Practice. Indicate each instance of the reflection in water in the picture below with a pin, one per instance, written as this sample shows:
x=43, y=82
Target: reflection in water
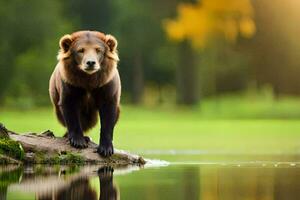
x=81, y=189
x=77, y=190
x=250, y=183
x=8, y=175
x=107, y=189
x=59, y=184
x=213, y=182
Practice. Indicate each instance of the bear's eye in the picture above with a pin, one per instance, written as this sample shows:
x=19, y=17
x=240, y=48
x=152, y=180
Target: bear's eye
x=98, y=50
x=80, y=50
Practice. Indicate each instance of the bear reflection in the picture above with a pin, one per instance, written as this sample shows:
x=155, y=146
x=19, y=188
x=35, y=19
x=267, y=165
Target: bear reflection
x=80, y=189
x=107, y=189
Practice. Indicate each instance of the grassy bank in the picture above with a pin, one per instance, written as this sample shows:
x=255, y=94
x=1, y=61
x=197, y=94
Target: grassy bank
x=143, y=128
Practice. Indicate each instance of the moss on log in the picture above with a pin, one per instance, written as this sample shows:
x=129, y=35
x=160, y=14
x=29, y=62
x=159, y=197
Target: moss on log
x=45, y=148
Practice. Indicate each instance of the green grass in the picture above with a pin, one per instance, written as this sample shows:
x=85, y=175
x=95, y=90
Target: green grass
x=142, y=128
x=251, y=107
x=145, y=129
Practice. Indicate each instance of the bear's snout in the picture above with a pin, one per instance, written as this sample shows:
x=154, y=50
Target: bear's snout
x=90, y=64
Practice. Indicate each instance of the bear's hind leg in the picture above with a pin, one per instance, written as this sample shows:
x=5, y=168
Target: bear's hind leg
x=88, y=119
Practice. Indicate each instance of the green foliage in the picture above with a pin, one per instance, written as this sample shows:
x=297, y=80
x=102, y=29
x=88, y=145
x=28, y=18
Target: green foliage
x=11, y=148
x=146, y=55
x=71, y=158
x=63, y=159
x=31, y=30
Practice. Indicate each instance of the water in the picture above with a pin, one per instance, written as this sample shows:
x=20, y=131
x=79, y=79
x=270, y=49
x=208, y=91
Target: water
x=188, y=176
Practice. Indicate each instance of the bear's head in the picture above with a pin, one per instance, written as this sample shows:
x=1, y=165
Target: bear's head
x=89, y=51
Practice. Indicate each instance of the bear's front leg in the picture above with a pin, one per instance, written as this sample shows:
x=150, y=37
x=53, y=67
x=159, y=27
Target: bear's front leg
x=75, y=133
x=70, y=108
x=108, y=115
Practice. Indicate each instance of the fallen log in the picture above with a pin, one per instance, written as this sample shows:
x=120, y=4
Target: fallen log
x=45, y=148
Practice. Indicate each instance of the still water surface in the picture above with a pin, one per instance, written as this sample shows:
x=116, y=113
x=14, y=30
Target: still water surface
x=184, y=177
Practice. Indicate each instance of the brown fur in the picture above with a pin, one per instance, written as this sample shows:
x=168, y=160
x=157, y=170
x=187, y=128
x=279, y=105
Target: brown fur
x=93, y=90
x=76, y=77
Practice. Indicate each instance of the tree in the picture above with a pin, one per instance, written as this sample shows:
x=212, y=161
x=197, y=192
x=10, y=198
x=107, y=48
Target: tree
x=30, y=32
x=276, y=47
x=142, y=45
x=202, y=23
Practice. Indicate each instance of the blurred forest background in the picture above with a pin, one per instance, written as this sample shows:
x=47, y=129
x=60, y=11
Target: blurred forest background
x=172, y=51
x=196, y=74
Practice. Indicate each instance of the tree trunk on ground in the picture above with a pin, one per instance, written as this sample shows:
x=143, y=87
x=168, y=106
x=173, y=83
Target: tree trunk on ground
x=188, y=90
x=45, y=148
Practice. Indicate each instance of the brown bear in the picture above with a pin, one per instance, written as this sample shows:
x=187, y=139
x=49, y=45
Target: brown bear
x=86, y=82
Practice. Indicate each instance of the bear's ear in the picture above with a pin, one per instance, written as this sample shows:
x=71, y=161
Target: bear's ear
x=111, y=42
x=65, y=42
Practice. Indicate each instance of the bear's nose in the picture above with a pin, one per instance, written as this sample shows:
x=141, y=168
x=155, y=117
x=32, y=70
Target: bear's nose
x=90, y=63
